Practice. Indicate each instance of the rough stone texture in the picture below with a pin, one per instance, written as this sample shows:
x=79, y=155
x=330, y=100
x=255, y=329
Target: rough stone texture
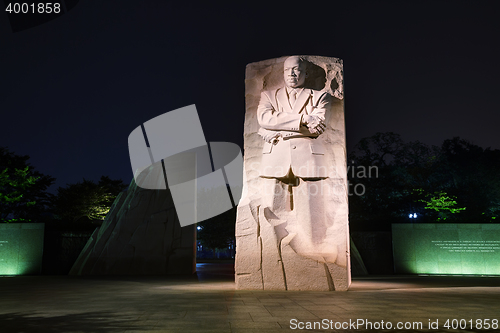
x=265, y=255
x=141, y=235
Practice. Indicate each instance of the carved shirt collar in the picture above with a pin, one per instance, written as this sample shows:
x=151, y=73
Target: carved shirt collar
x=297, y=90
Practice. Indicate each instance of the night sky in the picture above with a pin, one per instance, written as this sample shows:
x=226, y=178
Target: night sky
x=74, y=88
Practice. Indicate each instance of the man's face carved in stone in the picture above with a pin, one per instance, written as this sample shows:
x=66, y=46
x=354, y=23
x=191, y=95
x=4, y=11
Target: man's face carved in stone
x=295, y=72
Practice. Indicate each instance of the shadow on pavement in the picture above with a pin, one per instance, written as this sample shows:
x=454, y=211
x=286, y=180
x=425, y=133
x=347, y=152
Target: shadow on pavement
x=96, y=322
x=215, y=272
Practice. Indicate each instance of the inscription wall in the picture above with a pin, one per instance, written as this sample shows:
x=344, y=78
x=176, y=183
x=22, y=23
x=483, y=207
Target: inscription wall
x=21, y=248
x=442, y=248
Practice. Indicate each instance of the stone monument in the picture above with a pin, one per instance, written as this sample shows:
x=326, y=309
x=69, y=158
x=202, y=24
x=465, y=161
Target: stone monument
x=292, y=223
x=141, y=235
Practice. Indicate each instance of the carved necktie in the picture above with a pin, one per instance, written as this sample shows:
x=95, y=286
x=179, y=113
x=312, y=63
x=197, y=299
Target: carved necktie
x=293, y=97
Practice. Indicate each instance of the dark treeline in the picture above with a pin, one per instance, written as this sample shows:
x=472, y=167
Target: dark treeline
x=24, y=196
x=458, y=182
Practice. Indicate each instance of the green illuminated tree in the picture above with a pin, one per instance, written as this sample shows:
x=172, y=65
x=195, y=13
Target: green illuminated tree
x=11, y=191
x=23, y=191
x=442, y=203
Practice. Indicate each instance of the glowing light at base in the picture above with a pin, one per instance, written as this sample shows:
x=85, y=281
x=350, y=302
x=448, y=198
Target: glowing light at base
x=21, y=248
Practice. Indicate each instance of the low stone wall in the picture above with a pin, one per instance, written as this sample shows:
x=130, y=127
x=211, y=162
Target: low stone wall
x=61, y=249
x=21, y=246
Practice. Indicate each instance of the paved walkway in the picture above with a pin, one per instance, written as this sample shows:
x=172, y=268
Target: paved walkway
x=210, y=303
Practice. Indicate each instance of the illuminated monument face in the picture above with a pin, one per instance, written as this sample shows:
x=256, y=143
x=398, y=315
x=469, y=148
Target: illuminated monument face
x=292, y=229
x=446, y=248
x=294, y=72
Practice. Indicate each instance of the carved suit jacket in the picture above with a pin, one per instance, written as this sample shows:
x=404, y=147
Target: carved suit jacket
x=297, y=148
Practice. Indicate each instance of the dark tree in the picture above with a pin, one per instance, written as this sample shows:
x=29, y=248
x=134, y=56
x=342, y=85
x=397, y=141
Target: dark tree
x=471, y=174
x=86, y=201
x=435, y=183
x=388, y=193
x=218, y=232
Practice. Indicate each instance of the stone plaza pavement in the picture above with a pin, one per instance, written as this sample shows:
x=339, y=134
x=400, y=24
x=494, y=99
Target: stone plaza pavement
x=208, y=302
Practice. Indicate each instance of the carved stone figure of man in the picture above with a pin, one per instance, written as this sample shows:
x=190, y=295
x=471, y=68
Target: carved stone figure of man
x=293, y=164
